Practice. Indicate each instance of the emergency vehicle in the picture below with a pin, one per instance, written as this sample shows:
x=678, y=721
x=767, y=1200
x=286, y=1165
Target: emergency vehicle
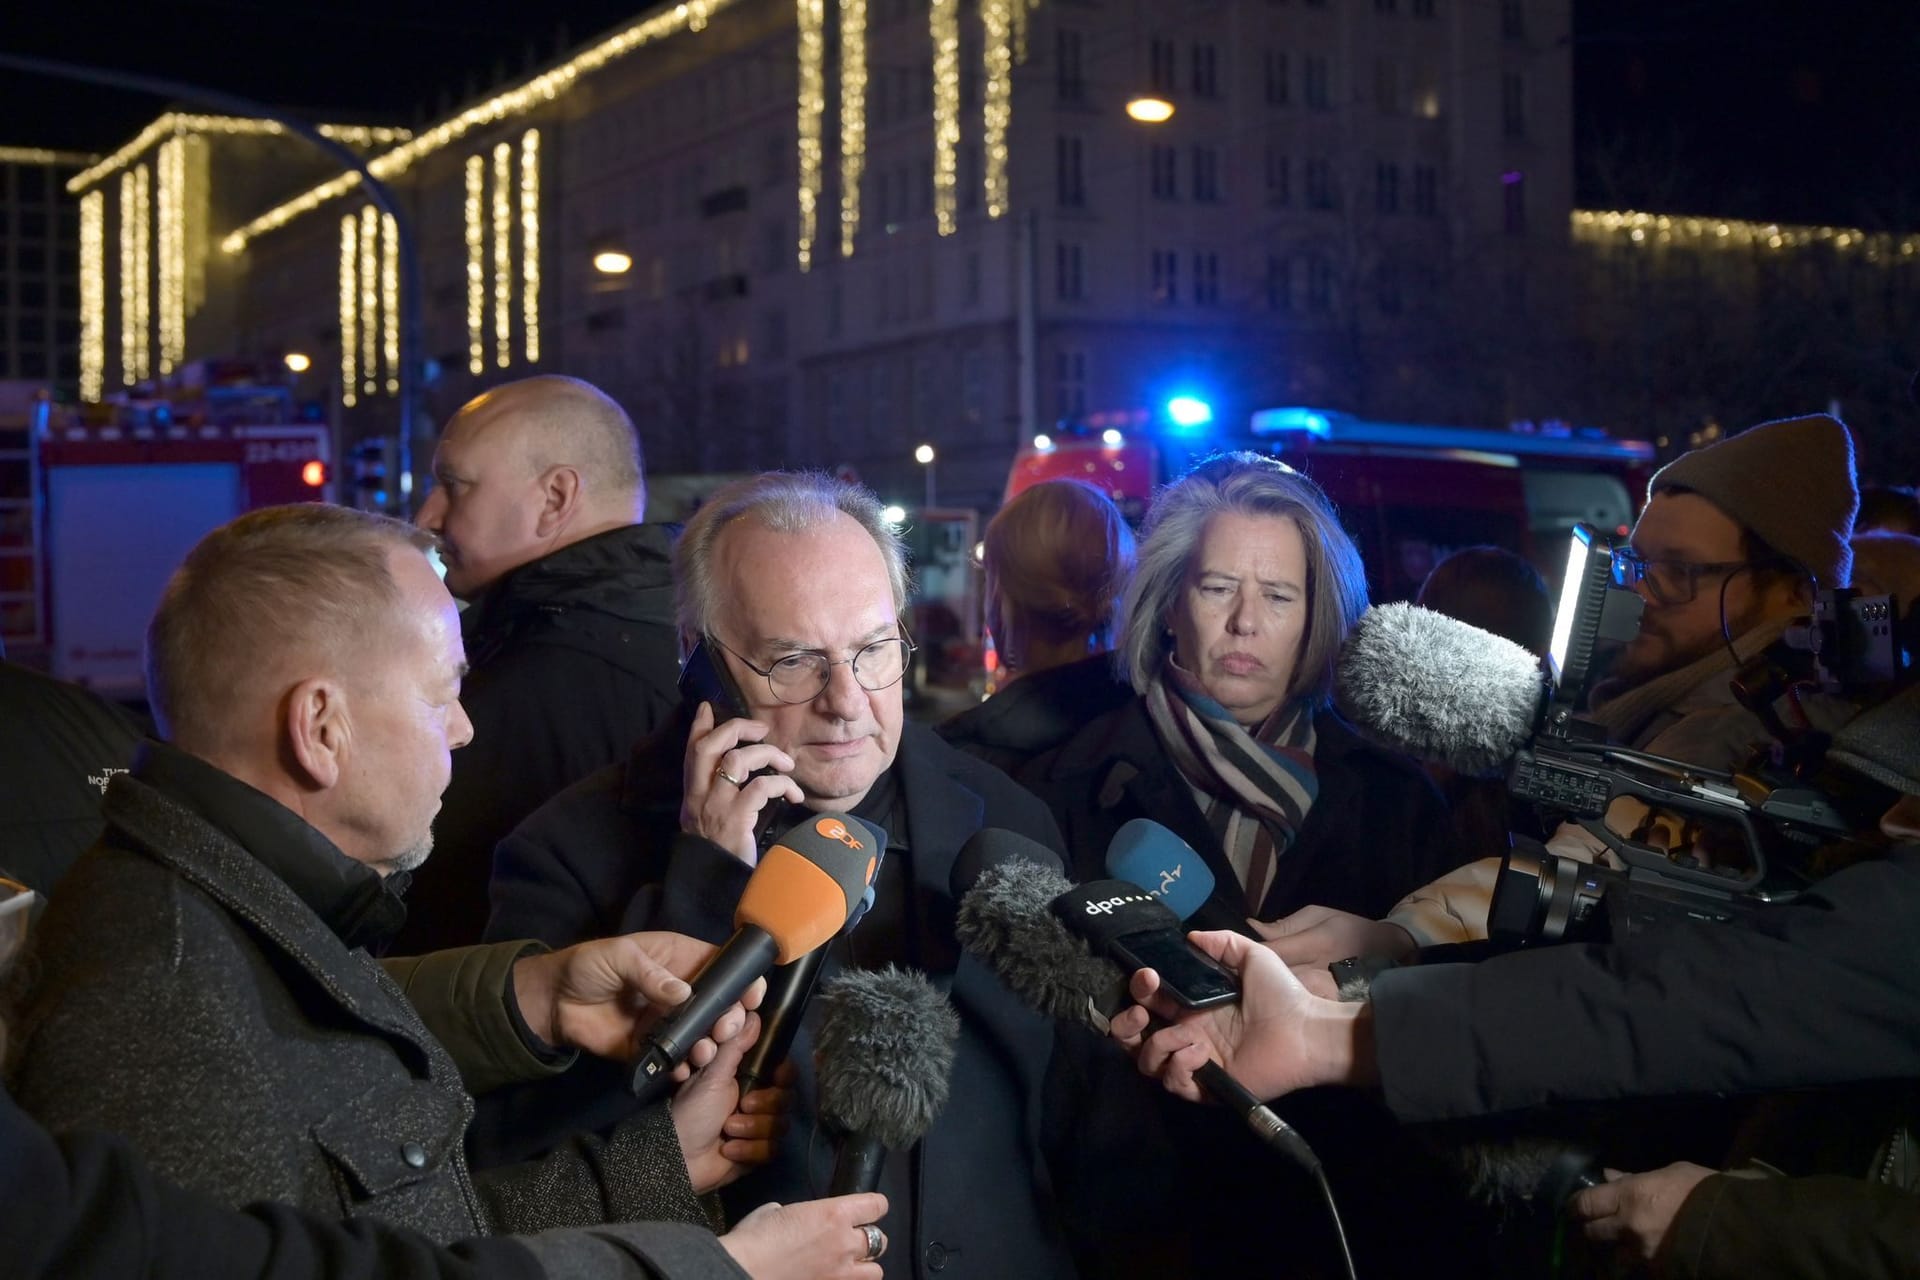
x=1409, y=494
x=99, y=503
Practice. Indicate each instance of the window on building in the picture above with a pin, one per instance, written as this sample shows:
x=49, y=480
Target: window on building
x=1163, y=173
x=1070, y=171
x=1206, y=278
x=1314, y=70
x=774, y=247
x=1513, y=106
x=1513, y=19
x=773, y=160
x=1320, y=194
x=1070, y=383
x=970, y=177
x=33, y=224
x=834, y=321
x=1279, y=172
x=1319, y=283
x=1069, y=80
x=1386, y=188
x=1514, y=203
x=1386, y=87
x=971, y=282
x=1426, y=190
x=1278, y=88
x=1206, y=71
x=1206, y=174
x=773, y=334
x=880, y=399
x=1166, y=276
x=973, y=386
x=1160, y=58
x=1386, y=289
x=1069, y=283
x=1279, y=283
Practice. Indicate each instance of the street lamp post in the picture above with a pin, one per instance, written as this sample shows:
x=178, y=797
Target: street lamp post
x=924, y=456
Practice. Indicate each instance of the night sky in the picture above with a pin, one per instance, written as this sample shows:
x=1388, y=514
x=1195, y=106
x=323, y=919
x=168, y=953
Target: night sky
x=1800, y=111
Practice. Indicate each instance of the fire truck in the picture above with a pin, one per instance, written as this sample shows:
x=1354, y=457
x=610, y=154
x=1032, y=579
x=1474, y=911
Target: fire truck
x=100, y=502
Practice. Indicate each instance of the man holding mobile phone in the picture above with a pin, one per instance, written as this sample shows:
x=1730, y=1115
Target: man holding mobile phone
x=791, y=588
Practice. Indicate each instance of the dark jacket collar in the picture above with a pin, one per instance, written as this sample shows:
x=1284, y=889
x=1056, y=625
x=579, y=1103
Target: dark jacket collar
x=354, y=901
x=625, y=573
x=1044, y=709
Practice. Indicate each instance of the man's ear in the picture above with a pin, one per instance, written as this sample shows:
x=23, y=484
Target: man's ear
x=560, y=499
x=319, y=732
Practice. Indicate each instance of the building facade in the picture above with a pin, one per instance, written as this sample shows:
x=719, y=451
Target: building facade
x=39, y=266
x=851, y=227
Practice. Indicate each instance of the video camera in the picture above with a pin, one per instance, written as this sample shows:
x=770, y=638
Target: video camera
x=1772, y=818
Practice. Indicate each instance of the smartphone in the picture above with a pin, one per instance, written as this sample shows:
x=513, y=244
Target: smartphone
x=1192, y=979
x=704, y=678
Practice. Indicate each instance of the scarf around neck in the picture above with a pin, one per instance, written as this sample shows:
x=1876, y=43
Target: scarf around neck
x=1629, y=711
x=1255, y=788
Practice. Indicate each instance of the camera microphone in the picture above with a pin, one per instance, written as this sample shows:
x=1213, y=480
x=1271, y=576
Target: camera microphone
x=1437, y=689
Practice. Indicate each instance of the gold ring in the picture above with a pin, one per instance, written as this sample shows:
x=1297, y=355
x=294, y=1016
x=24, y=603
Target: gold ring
x=876, y=1242
x=722, y=773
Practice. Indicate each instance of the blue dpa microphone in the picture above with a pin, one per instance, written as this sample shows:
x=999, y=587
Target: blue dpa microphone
x=1147, y=854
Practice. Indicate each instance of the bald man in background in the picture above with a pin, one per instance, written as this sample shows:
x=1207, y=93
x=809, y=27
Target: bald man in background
x=538, y=502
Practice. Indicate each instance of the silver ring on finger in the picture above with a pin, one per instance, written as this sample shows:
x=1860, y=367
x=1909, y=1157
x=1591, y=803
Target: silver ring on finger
x=876, y=1242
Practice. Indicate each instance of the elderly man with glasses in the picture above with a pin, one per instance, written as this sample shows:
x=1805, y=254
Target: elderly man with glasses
x=790, y=590
x=1733, y=543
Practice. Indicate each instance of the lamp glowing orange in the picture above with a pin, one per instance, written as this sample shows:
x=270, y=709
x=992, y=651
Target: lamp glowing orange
x=314, y=474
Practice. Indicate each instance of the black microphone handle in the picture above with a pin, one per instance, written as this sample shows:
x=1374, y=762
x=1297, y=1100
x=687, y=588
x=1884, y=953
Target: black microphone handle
x=747, y=955
x=857, y=1164
x=789, y=987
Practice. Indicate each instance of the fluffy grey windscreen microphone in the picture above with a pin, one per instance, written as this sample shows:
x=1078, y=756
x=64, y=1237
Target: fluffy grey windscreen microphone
x=884, y=1052
x=1438, y=689
x=1007, y=920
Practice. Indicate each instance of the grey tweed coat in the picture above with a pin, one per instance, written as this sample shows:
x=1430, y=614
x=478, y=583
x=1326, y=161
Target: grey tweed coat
x=181, y=994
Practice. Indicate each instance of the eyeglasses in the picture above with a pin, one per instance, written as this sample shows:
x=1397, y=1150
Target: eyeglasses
x=802, y=677
x=1670, y=582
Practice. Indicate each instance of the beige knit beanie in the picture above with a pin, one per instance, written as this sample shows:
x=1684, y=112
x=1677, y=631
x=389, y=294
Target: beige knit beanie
x=1791, y=482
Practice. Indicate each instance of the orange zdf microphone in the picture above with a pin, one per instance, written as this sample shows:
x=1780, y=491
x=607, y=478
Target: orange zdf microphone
x=800, y=894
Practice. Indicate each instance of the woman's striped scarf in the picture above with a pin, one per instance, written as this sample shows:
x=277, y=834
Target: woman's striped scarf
x=1254, y=787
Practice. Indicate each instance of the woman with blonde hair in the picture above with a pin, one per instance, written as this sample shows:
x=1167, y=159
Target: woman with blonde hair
x=1057, y=560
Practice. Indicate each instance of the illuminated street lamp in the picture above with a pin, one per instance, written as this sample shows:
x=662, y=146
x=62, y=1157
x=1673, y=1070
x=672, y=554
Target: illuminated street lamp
x=1150, y=110
x=298, y=361
x=612, y=262
x=924, y=456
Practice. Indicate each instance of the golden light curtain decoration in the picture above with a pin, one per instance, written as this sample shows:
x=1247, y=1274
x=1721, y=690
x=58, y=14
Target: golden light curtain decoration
x=502, y=256
x=476, y=266
x=143, y=272
x=811, y=17
x=530, y=243
x=996, y=112
x=944, y=23
x=93, y=295
x=172, y=175
x=1599, y=226
x=349, y=308
x=853, y=117
x=390, y=300
x=369, y=299
x=129, y=314
x=175, y=123
x=690, y=16
x=194, y=212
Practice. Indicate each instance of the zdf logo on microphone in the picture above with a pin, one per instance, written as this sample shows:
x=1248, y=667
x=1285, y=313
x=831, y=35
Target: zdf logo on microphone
x=834, y=829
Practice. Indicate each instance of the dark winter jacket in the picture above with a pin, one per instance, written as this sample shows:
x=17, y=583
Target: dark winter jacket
x=1771, y=1228
x=1153, y=1186
x=1818, y=991
x=1037, y=712
x=607, y=856
x=572, y=660
x=203, y=990
x=59, y=743
x=85, y=1207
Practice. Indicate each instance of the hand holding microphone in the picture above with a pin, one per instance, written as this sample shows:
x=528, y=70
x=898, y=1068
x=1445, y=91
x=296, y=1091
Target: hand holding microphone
x=800, y=894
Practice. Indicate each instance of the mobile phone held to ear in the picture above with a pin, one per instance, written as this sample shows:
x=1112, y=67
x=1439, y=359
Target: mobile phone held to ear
x=704, y=678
